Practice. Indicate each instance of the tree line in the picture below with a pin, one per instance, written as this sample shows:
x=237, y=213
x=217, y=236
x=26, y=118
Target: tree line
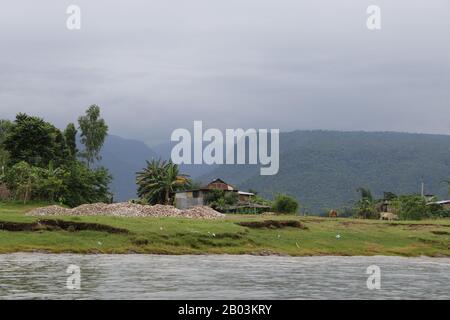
x=406, y=207
x=40, y=162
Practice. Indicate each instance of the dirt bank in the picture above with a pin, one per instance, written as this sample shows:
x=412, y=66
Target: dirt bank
x=273, y=224
x=57, y=225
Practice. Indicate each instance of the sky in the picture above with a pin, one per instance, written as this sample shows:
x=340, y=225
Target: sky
x=155, y=66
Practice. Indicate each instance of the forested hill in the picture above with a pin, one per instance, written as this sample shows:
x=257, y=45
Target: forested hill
x=323, y=169
x=123, y=158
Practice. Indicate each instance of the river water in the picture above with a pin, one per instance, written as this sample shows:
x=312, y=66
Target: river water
x=45, y=276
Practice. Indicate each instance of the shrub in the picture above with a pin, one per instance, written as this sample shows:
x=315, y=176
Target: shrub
x=415, y=207
x=285, y=204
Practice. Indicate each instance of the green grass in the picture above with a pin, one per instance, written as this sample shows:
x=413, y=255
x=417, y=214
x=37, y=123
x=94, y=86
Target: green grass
x=189, y=236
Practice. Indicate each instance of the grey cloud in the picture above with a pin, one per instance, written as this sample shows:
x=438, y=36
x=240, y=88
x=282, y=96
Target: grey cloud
x=154, y=66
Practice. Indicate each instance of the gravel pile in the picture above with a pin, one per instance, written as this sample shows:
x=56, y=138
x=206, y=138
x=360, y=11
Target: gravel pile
x=49, y=211
x=126, y=209
x=202, y=212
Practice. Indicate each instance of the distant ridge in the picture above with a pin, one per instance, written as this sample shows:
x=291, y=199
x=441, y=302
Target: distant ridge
x=321, y=168
x=123, y=158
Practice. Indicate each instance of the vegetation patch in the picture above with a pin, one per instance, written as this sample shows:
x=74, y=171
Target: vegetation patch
x=273, y=224
x=58, y=225
x=230, y=235
x=416, y=226
x=351, y=223
x=441, y=233
x=140, y=241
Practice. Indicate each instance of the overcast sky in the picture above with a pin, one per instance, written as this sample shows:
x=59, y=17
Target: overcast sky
x=154, y=66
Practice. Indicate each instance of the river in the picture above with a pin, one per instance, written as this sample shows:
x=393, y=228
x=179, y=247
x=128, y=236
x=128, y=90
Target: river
x=45, y=276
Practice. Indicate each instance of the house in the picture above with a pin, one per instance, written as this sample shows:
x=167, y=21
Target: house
x=196, y=197
x=444, y=203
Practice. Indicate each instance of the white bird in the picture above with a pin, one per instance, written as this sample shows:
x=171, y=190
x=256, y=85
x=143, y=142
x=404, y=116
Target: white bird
x=338, y=236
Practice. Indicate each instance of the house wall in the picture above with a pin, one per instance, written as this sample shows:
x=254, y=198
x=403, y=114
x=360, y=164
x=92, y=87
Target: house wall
x=244, y=198
x=189, y=199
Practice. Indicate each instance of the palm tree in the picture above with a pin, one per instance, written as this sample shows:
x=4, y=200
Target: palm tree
x=366, y=205
x=159, y=180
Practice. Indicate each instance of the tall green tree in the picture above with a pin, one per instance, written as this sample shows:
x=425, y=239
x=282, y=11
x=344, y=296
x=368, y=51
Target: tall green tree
x=84, y=185
x=35, y=141
x=366, y=206
x=22, y=180
x=159, y=180
x=70, y=136
x=5, y=126
x=93, y=133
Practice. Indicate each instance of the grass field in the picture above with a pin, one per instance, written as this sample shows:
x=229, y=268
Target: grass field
x=188, y=236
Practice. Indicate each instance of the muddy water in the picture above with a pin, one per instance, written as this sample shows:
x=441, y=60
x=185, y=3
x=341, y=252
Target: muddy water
x=41, y=276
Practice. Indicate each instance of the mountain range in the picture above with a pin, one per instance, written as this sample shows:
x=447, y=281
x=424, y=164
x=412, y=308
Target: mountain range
x=322, y=169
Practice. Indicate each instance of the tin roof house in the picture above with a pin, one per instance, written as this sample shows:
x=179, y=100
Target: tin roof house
x=197, y=197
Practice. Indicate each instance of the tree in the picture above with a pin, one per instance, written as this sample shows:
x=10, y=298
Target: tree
x=83, y=185
x=43, y=164
x=34, y=141
x=93, y=133
x=220, y=199
x=413, y=207
x=159, y=180
x=366, y=206
x=22, y=179
x=51, y=184
x=365, y=194
x=387, y=195
x=285, y=204
x=70, y=136
x=5, y=127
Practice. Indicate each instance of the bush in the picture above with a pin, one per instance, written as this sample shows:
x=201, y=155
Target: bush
x=72, y=185
x=285, y=204
x=415, y=207
x=220, y=200
x=85, y=185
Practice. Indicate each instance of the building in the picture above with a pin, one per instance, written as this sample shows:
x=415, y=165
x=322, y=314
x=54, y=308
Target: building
x=444, y=203
x=196, y=197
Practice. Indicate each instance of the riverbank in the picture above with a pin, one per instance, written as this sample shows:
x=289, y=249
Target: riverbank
x=235, y=234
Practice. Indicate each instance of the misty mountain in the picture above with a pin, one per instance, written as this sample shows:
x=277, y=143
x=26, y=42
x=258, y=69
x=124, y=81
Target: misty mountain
x=123, y=158
x=193, y=170
x=322, y=169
